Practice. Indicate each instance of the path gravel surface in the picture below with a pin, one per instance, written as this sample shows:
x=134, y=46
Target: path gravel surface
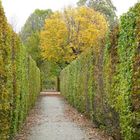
x=53, y=119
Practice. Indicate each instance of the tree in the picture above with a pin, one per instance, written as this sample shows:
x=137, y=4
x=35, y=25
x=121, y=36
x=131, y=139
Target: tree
x=106, y=7
x=30, y=35
x=32, y=45
x=34, y=23
x=67, y=34
x=30, y=32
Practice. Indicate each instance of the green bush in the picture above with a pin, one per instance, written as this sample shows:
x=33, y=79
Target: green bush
x=19, y=81
x=129, y=67
x=105, y=85
x=5, y=77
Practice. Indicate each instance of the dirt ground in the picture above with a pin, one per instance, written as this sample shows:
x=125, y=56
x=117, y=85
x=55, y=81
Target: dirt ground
x=53, y=118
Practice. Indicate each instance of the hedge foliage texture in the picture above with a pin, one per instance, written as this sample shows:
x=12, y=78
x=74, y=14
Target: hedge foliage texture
x=105, y=85
x=19, y=81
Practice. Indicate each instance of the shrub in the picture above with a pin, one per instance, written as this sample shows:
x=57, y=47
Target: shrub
x=105, y=85
x=19, y=81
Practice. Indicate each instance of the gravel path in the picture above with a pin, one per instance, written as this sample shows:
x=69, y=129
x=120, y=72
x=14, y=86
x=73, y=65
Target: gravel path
x=53, y=119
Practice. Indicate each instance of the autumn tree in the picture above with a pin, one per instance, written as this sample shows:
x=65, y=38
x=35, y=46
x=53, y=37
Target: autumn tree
x=106, y=7
x=69, y=33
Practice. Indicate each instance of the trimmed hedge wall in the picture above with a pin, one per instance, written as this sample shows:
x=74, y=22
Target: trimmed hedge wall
x=19, y=81
x=105, y=85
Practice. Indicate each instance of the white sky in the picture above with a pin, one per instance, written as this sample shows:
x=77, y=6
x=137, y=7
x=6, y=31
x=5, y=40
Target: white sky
x=17, y=11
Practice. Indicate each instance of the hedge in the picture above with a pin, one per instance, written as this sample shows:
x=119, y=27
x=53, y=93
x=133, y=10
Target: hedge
x=19, y=81
x=105, y=85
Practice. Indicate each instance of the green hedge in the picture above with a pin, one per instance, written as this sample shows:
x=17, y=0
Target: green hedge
x=105, y=85
x=19, y=81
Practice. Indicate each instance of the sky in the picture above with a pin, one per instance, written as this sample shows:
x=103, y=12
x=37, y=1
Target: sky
x=17, y=11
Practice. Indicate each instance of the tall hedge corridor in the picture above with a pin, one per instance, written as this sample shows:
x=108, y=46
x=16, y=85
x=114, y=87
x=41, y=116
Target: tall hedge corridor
x=105, y=84
x=19, y=81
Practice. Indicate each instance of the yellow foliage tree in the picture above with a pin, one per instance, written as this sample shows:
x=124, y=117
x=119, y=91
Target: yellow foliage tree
x=66, y=34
